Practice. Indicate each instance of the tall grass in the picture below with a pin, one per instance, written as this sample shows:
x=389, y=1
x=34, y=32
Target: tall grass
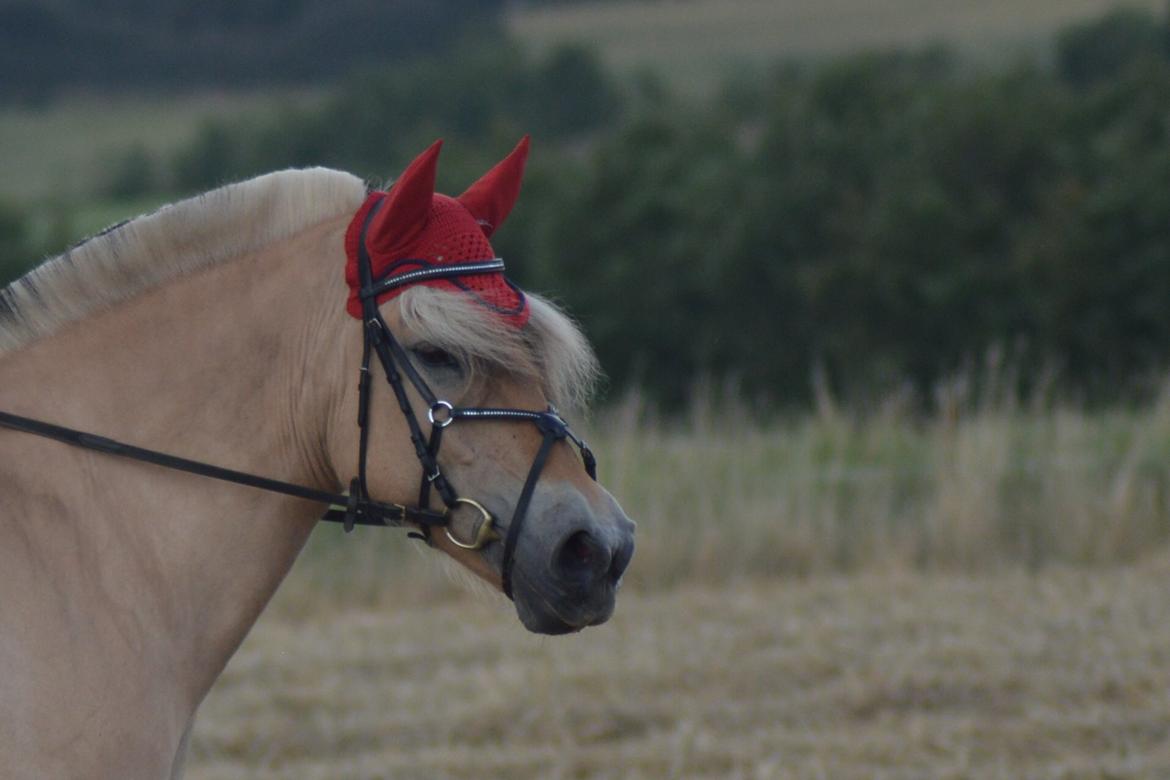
x=984, y=488
x=726, y=494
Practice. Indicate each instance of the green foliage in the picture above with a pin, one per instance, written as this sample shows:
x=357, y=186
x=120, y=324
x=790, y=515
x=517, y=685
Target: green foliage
x=875, y=221
x=1097, y=257
x=132, y=175
x=13, y=244
x=635, y=243
x=1103, y=48
x=379, y=119
x=45, y=47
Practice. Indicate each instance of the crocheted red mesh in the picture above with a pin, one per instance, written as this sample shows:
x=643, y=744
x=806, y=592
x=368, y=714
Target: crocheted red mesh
x=449, y=234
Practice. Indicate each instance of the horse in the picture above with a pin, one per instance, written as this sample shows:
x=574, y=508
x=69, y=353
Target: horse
x=222, y=337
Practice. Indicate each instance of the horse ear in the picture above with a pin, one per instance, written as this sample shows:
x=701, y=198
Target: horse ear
x=398, y=223
x=491, y=198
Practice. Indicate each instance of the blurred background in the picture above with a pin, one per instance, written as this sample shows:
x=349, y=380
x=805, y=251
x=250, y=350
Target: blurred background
x=881, y=290
x=729, y=195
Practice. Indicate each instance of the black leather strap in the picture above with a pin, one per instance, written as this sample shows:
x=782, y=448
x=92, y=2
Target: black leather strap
x=471, y=268
x=365, y=511
x=554, y=430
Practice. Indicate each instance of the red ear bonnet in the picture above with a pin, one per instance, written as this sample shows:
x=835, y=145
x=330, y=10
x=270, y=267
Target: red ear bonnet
x=412, y=228
x=399, y=222
x=491, y=199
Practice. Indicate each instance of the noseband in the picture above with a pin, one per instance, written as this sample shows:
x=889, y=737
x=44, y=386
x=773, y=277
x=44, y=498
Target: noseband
x=360, y=509
x=379, y=340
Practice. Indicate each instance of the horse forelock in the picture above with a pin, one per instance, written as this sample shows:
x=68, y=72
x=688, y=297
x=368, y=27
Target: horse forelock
x=549, y=348
x=130, y=258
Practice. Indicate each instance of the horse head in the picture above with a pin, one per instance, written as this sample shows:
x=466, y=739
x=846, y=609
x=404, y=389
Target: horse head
x=466, y=426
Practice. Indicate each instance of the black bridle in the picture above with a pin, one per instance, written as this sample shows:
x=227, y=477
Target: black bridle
x=359, y=507
x=380, y=341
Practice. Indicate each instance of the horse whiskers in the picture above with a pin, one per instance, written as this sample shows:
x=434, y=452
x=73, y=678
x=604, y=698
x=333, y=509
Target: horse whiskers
x=464, y=579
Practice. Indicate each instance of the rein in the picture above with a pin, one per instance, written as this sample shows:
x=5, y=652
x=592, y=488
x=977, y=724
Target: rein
x=359, y=508
x=366, y=512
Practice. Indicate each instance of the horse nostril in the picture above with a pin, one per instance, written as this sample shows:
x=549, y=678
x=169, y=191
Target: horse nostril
x=621, y=559
x=580, y=556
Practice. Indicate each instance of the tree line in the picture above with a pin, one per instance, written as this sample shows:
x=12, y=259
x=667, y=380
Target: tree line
x=178, y=45
x=878, y=221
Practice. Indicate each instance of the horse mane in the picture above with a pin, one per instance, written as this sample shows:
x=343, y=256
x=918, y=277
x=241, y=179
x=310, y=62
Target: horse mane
x=132, y=257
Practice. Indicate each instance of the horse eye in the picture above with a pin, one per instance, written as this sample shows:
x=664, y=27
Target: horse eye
x=433, y=357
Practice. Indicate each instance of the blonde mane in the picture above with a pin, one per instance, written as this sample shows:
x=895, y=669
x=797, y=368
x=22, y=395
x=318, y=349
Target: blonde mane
x=184, y=237
x=178, y=239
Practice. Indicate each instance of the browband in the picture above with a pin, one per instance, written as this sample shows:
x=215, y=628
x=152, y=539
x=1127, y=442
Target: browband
x=495, y=265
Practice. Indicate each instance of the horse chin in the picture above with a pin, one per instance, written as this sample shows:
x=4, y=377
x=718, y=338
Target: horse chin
x=551, y=610
x=547, y=624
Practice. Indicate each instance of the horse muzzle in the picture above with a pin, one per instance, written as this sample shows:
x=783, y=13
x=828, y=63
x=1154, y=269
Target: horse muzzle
x=569, y=563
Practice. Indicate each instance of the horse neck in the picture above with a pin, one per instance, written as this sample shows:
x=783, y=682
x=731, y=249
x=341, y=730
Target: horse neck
x=237, y=365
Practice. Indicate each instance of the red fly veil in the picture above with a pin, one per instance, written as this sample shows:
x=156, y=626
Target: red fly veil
x=417, y=228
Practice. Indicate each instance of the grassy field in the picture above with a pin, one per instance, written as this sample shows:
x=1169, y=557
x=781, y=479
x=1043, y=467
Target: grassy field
x=695, y=43
x=1062, y=675
x=981, y=595
x=60, y=157
x=67, y=148
x=719, y=498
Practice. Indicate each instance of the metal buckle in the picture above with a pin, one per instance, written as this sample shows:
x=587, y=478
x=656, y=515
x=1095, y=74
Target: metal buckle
x=486, y=533
x=446, y=418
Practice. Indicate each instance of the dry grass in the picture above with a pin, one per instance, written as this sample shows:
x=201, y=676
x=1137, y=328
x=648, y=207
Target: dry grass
x=982, y=595
x=718, y=497
x=968, y=491
x=1064, y=675
x=696, y=42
